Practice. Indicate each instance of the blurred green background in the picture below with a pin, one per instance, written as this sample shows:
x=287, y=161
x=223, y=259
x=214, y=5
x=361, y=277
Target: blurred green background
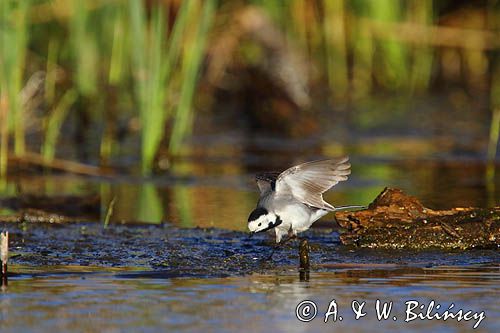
x=107, y=87
x=154, y=64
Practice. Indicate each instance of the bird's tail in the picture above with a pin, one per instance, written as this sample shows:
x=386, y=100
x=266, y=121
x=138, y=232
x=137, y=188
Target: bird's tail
x=349, y=207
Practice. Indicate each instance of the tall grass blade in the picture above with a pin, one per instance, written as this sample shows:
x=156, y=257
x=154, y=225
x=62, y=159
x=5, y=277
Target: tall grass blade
x=363, y=46
x=335, y=45
x=149, y=61
x=191, y=63
x=492, y=150
x=51, y=73
x=109, y=212
x=55, y=122
x=84, y=48
x=13, y=46
x=117, y=61
x=175, y=42
x=392, y=55
x=421, y=13
x=4, y=134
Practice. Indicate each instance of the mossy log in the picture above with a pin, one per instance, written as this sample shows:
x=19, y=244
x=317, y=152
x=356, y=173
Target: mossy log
x=396, y=220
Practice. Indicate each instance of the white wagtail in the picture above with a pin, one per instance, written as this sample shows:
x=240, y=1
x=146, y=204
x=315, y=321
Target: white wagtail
x=291, y=201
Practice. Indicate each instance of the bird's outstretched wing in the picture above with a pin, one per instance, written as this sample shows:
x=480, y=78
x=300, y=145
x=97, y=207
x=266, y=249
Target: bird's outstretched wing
x=266, y=181
x=308, y=181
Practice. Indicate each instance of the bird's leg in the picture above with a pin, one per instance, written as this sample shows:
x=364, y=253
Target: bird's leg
x=291, y=236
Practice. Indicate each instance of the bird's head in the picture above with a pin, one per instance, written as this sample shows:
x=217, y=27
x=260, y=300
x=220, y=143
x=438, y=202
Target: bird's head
x=261, y=220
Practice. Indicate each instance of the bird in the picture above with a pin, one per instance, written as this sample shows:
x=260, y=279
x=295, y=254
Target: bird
x=291, y=201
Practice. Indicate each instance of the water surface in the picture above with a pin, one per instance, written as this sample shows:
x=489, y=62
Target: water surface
x=124, y=301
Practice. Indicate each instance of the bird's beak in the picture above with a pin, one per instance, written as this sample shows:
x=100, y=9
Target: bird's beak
x=270, y=226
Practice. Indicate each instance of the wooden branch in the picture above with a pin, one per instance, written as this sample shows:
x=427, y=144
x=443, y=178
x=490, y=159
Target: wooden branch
x=396, y=220
x=59, y=164
x=435, y=35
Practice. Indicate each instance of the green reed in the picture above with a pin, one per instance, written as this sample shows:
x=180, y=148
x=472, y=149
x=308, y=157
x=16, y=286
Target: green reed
x=335, y=36
x=491, y=154
x=393, y=55
x=338, y=36
x=134, y=47
x=154, y=57
x=421, y=12
x=109, y=212
x=150, y=84
x=54, y=124
x=119, y=46
x=83, y=43
x=191, y=61
x=13, y=47
x=362, y=48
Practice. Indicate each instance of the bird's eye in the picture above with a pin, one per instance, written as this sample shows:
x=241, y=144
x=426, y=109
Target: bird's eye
x=260, y=223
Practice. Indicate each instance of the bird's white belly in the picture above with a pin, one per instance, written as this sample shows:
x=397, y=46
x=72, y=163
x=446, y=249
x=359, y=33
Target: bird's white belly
x=299, y=217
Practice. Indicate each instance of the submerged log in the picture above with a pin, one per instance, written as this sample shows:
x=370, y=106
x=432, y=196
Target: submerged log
x=396, y=220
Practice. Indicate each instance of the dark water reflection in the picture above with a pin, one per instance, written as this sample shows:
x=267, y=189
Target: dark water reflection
x=116, y=302
x=220, y=192
x=433, y=147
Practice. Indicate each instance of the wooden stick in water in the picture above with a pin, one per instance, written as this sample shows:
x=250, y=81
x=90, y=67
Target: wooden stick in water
x=304, y=260
x=4, y=251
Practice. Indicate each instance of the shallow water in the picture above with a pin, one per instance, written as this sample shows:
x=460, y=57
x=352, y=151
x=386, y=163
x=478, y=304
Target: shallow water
x=84, y=277
x=66, y=299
